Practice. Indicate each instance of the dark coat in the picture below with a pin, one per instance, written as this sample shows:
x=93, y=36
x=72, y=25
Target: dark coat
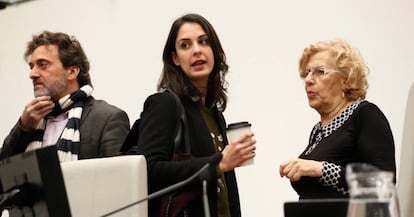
x=157, y=131
x=103, y=128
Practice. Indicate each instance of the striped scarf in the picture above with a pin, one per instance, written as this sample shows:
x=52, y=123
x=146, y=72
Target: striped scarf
x=68, y=143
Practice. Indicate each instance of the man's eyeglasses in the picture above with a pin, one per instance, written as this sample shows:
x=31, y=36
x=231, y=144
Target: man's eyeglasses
x=319, y=71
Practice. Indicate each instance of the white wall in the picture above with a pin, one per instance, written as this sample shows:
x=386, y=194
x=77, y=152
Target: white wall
x=263, y=41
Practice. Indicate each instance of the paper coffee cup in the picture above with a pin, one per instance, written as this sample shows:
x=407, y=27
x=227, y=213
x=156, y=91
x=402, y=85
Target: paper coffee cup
x=235, y=130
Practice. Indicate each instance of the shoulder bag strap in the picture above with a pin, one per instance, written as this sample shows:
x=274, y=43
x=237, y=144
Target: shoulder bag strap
x=182, y=127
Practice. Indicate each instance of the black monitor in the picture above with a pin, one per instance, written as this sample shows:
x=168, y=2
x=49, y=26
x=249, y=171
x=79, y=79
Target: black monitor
x=316, y=207
x=32, y=185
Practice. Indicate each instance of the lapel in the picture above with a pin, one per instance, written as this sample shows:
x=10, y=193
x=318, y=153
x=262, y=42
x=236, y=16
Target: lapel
x=87, y=108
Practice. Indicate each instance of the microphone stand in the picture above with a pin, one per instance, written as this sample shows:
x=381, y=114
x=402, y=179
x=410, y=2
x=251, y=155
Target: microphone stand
x=205, y=200
x=165, y=191
x=4, y=198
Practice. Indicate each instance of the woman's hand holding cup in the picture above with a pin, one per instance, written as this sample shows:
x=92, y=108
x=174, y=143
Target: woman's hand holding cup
x=241, y=150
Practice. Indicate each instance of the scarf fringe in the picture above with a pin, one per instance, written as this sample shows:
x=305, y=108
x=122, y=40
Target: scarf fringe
x=66, y=156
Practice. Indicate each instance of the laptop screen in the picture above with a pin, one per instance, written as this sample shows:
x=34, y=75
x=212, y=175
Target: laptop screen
x=316, y=208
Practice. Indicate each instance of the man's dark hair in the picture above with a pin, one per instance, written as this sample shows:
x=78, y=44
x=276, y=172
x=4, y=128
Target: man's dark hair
x=70, y=52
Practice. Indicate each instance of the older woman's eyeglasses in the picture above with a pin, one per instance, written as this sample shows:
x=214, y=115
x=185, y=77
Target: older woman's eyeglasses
x=319, y=71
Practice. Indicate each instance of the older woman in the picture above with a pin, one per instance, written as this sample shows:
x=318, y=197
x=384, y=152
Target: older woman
x=350, y=129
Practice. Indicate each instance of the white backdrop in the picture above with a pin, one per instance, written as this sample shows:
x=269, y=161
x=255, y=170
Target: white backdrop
x=263, y=41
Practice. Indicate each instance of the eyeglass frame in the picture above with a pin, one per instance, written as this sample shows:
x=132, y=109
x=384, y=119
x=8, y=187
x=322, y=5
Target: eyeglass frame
x=322, y=71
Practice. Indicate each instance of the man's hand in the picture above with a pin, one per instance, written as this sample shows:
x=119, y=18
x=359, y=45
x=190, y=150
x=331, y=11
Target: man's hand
x=34, y=111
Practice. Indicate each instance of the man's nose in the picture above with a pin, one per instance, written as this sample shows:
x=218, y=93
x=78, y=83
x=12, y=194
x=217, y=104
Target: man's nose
x=34, y=73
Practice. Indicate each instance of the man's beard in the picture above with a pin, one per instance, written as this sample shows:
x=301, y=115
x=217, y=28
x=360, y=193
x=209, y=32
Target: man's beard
x=42, y=92
x=53, y=90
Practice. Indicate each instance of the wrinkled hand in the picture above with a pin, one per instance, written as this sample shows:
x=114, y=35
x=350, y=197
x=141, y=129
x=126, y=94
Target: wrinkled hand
x=294, y=169
x=34, y=111
x=237, y=152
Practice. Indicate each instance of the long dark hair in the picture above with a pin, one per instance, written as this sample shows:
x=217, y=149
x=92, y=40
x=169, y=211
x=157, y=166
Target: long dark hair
x=174, y=78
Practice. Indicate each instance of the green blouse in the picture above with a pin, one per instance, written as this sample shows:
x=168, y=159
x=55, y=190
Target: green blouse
x=222, y=200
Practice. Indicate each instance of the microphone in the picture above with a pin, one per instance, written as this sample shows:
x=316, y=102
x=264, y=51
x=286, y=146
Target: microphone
x=203, y=176
x=5, y=3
